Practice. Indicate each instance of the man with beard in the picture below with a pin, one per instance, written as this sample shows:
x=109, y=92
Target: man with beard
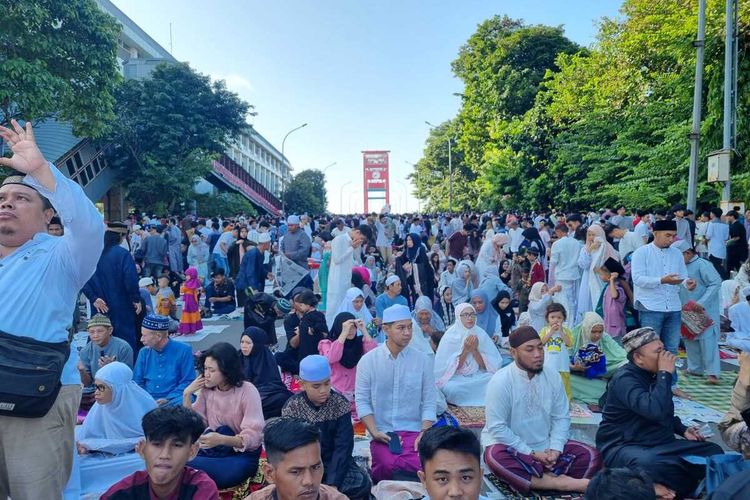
x=528, y=425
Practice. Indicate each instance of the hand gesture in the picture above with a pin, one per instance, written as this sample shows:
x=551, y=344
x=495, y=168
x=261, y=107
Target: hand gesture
x=555, y=289
x=690, y=284
x=671, y=279
x=346, y=328
x=101, y=306
x=137, y=306
x=105, y=360
x=210, y=440
x=195, y=385
x=693, y=434
x=470, y=343
x=27, y=157
x=613, y=277
x=666, y=361
x=381, y=437
x=82, y=450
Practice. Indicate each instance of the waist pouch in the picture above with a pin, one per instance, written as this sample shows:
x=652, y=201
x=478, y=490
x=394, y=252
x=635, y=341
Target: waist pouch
x=30, y=373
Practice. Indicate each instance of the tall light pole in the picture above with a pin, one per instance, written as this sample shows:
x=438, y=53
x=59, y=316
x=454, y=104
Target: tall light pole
x=416, y=181
x=450, y=170
x=341, y=197
x=328, y=166
x=695, y=133
x=406, y=196
x=284, y=162
x=730, y=94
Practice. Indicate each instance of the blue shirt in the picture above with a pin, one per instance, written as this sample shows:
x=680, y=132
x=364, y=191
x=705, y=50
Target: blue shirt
x=717, y=234
x=166, y=373
x=41, y=279
x=383, y=302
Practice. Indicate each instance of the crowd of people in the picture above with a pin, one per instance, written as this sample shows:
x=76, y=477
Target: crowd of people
x=391, y=322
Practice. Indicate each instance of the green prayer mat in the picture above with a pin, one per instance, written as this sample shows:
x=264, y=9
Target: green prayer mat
x=718, y=397
x=509, y=493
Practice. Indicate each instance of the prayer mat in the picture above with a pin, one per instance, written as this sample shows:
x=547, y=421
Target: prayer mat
x=508, y=492
x=471, y=417
x=718, y=397
x=251, y=485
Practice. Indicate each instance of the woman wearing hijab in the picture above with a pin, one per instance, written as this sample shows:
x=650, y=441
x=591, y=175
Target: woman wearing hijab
x=444, y=306
x=197, y=256
x=114, y=423
x=490, y=282
x=593, y=255
x=465, y=360
x=354, y=303
x=260, y=369
x=424, y=322
x=591, y=333
x=348, y=341
x=492, y=252
x=464, y=282
x=486, y=315
x=415, y=271
x=502, y=304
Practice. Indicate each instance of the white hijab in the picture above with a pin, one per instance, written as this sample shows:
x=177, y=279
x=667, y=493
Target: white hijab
x=115, y=427
x=347, y=305
x=451, y=345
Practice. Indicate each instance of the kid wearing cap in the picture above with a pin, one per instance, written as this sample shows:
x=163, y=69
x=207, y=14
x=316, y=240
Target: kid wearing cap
x=330, y=412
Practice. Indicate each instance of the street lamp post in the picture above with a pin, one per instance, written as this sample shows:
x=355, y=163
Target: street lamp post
x=283, y=160
x=328, y=166
x=406, y=196
x=450, y=171
x=416, y=181
x=341, y=197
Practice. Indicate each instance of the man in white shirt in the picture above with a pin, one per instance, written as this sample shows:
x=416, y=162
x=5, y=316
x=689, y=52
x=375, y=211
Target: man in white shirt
x=629, y=241
x=717, y=234
x=528, y=425
x=516, y=236
x=340, y=228
x=658, y=271
x=395, y=397
x=564, y=264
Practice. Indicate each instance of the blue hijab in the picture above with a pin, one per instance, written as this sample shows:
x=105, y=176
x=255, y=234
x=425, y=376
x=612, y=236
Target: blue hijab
x=488, y=318
x=413, y=252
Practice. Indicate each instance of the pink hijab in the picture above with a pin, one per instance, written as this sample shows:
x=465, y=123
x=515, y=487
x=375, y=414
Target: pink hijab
x=192, y=280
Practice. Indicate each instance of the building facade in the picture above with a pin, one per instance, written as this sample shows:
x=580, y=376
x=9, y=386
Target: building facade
x=251, y=166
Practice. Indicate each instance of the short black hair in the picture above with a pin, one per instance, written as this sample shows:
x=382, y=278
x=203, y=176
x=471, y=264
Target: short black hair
x=55, y=220
x=455, y=439
x=218, y=272
x=227, y=359
x=556, y=307
x=307, y=297
x=733, y=213
x=716, y=211
x=641, y=213
x=175, y=422
x=284, y=434
x=620, y=484
x=365, y=230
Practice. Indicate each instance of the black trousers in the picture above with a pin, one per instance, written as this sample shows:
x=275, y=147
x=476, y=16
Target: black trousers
x=719, y=265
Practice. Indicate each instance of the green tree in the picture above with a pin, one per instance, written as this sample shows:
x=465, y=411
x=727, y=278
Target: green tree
x=223, y=204
x=58, y=59
x=168, y=129
x=502, y=66
x=306, y=193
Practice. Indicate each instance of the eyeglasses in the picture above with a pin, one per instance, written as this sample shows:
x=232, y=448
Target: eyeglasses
x=100, y=387
x=468, y=315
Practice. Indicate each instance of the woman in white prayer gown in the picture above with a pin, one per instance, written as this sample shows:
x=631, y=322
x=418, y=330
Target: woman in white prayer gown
x=491, y=253
x=114, y=423
x=424, y=321
x=354, y=303
x=593, y=255
x=339, y=274
x=465, y=360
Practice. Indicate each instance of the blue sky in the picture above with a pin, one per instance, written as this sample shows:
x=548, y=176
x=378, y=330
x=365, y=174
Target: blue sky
x=364, y=74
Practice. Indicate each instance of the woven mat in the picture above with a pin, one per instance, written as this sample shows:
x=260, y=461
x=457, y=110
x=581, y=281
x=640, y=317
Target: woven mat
x=718, y=397
x=471, y=417
x=509, y=493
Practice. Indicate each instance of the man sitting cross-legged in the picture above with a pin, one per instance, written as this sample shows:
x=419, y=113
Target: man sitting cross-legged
x=528, y=424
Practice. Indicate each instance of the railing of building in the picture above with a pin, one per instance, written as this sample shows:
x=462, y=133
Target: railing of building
x=236, y=176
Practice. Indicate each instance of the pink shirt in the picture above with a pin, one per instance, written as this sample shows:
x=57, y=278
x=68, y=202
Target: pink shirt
x=239, y=408
x=342, y=379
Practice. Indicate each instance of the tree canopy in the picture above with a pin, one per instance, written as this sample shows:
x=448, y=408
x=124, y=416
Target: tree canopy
x=58, y=58
x=544, y=123
x=306, y=193
x=168, y=128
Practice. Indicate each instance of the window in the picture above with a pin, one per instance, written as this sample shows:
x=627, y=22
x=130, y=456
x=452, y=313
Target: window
x=71, y=167
x=77, y=160
x=83, y=180
x=89, y=172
